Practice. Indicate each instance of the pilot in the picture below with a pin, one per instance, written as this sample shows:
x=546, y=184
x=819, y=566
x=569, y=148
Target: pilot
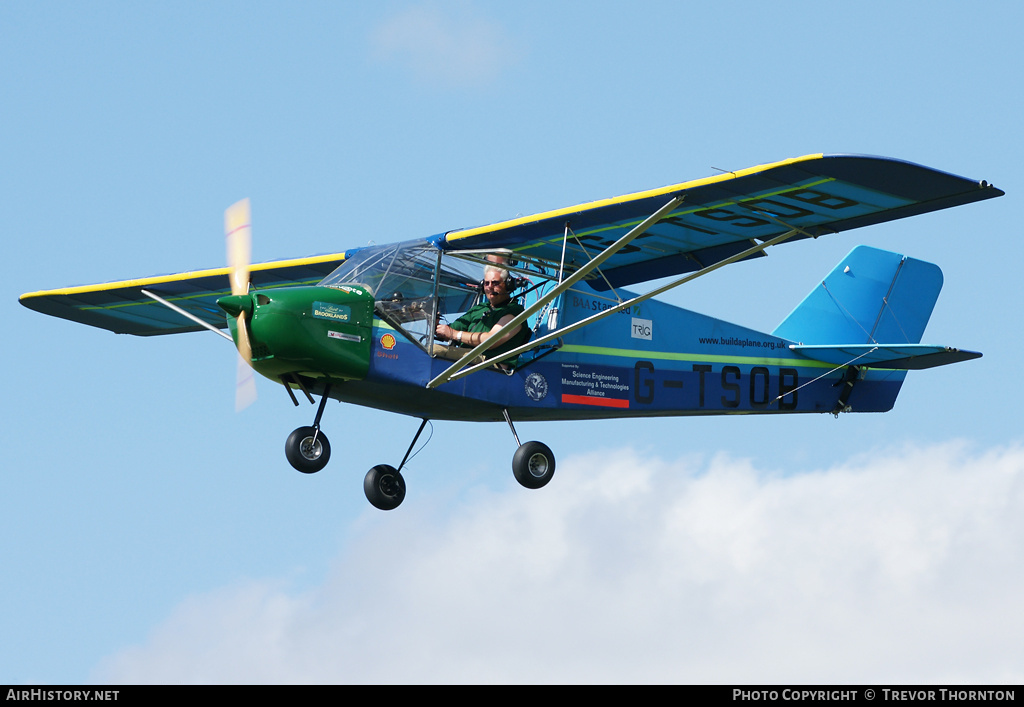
x=482, y=321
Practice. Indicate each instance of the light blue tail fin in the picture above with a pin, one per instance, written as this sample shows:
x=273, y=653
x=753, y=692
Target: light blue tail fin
x=872, y=297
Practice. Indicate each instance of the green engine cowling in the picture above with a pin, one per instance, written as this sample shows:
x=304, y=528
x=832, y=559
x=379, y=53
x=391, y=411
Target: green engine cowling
x=312, y=331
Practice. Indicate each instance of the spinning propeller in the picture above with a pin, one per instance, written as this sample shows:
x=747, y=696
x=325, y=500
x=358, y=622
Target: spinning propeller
x=238, y=233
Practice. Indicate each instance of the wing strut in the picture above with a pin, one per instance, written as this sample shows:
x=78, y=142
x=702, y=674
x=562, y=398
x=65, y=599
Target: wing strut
x=188, y=315
x=614, y=310
x=568, y=282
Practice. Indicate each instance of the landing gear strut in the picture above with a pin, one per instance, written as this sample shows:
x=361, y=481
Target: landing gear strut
x=307, y=448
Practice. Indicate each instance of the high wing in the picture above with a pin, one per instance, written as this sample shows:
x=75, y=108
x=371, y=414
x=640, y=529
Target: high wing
x=693, y=228
x=725, y=215
x=124, y=308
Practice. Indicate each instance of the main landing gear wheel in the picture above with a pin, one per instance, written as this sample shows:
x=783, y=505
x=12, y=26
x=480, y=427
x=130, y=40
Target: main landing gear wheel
x=533, y=465
x=384, y=487
x=305, y=454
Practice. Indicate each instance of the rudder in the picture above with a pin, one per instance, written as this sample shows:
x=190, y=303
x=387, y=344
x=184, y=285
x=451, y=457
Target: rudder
x=872, y=296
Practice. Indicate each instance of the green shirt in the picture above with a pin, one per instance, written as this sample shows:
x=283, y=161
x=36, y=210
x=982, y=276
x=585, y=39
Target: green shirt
x=483, y=317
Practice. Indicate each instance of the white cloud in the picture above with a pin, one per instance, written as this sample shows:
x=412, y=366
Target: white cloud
x=445, y=44
x=896, y=568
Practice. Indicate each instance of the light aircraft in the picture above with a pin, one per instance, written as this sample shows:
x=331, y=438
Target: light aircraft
x=361, y=326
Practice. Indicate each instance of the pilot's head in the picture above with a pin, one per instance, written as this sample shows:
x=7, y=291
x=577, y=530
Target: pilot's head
x=496, y=285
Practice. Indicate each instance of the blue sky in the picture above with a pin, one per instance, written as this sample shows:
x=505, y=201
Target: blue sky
x=148, y=533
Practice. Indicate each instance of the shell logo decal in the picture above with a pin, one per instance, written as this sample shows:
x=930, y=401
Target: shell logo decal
x=388, y=341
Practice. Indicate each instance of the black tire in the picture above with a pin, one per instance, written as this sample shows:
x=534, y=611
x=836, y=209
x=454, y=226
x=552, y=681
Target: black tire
x=384, y=487
x=305, y=455
x=533, y=465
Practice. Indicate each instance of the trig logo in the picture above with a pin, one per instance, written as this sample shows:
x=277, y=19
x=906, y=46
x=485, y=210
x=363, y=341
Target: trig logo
x=642, y=329
x=388, y=341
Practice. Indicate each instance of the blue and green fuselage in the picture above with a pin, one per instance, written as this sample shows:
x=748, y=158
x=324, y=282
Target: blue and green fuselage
x=654, y=359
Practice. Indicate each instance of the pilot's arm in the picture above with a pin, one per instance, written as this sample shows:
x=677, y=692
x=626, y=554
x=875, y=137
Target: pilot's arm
x=473, y=339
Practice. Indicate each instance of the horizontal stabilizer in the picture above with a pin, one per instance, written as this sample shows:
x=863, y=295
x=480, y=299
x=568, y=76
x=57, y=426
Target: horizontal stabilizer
x=901, y=357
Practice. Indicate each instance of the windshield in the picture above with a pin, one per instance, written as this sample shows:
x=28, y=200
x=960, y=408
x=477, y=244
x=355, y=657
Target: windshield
x=401, y=278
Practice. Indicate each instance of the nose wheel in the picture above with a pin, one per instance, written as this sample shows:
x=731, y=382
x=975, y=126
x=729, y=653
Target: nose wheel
x=308, y=450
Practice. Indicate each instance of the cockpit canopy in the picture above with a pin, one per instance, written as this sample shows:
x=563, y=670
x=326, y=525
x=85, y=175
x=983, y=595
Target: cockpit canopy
x=410, y=284
x=415, y=286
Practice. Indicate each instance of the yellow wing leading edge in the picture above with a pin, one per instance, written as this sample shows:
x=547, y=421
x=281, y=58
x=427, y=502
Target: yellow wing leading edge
x=121, y=307
x=724, y=215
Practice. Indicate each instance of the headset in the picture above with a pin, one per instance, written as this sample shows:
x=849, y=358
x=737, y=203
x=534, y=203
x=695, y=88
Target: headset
x=512, y=283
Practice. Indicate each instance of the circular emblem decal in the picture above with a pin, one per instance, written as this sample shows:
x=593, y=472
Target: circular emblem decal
x=536, y=387
x=388, y=341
